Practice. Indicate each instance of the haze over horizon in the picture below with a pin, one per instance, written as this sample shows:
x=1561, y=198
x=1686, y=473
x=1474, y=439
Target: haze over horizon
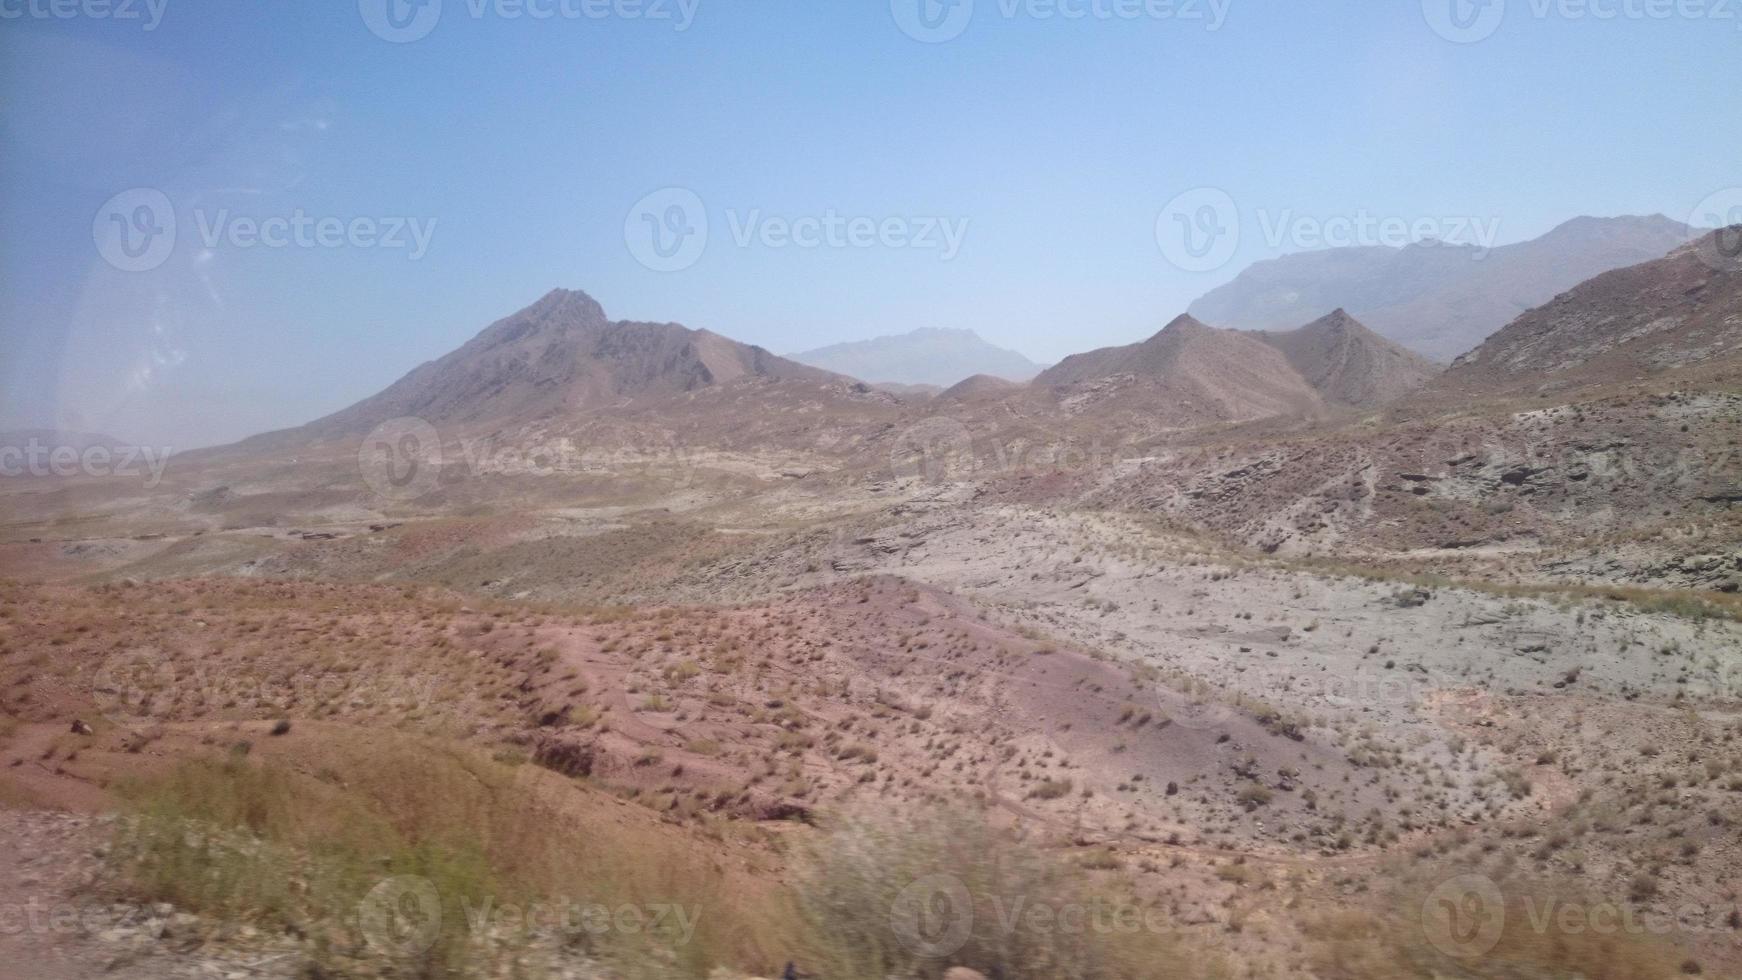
x=1011, y=180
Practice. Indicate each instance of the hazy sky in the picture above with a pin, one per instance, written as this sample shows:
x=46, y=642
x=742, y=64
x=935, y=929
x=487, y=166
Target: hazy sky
x=998, y=165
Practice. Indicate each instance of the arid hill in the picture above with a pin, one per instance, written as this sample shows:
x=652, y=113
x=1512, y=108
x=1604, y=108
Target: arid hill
x=1681, y=311
x=1439, y=300
x=562, y=354
x=1226, y=373
x=979, y=386
x=1349, y=364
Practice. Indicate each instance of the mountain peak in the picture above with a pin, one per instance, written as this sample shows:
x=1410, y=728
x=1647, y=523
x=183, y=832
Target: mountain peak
x=940, y=356
x=1216, y=374
x=1185, y=322
x=559, y=355
x=1348, y=363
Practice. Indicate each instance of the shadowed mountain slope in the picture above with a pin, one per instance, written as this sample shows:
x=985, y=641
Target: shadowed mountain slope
x=1349, y=364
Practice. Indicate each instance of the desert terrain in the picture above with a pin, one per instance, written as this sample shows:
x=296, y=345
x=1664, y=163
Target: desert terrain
x=1268, y=655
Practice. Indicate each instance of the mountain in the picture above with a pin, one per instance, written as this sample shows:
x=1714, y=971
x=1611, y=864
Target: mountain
x=1232, y=374
x=1680, y=311
x=562, y=354
x=979, y=386
x=928, y=356
x=1437, y=299
x=1349, y=364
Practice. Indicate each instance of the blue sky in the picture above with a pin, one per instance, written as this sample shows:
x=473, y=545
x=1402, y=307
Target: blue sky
x=520, y=148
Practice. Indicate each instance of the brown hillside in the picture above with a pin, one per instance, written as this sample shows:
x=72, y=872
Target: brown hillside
x=1349, y=364
x=1233, y=375
x=1681, y=311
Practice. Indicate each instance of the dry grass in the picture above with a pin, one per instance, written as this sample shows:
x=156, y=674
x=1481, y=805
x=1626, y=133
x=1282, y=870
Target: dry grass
x=915, y=894
x=267, y=842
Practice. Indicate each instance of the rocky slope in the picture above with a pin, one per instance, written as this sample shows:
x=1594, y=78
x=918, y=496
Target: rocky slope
x=1349, y=364
x=1226, y=373
x=1681, y=311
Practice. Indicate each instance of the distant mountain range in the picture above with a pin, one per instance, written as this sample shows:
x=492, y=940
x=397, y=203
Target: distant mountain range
x=562, y=362
x=1438, y=300
x=927, y=356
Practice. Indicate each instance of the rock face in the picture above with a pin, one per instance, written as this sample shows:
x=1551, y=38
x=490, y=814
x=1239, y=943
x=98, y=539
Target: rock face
x=1236, y=375
x=927, y=356
x=1680, y=311
x=1349, y=364
x=563, y=354
x=1438, y=300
